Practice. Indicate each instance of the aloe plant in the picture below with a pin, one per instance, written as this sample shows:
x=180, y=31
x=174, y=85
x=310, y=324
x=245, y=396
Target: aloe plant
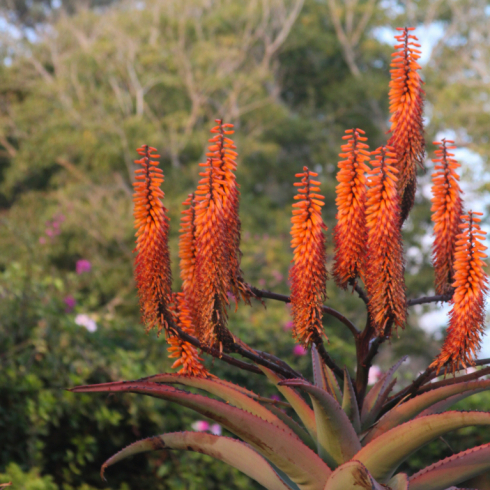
x=331, y=433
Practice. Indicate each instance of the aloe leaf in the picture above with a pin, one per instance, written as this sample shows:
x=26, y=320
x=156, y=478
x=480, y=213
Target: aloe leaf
x=352, y=475
x=337, y=439
x=377, y=395
x=411, y=408
x=453, y=470
x=383, y=455
x=226, y=391
x=295, y=427
x=399, y=482
x=332, y=384
x=302, y=409
x=281, y=446
x=349, y=403
x=231, y=451
x=318, y=372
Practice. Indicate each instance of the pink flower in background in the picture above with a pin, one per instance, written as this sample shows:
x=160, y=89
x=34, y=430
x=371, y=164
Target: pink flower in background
x=70, y=303
x=42, y=240
x=374, y=374
x=215, y=429
x=299, y=350
x=87, y=322
x=200, y=426
x=288, y=326
x=277, y=398
x=83, y=265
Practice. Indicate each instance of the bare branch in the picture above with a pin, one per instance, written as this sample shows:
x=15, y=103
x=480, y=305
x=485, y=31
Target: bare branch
x=326, y=309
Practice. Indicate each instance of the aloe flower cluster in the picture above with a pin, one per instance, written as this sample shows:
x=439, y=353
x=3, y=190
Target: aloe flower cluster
x=343, y=436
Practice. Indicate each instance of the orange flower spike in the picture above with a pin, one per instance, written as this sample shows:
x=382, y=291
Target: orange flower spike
x=384, y=276
x=467, y=316
x=406, y=108
x=211, y=266
x=222, y=151
x=186, y=354
x=187, y=254
x=350, y=234
x=152, y=262
x=447, y=208
x=308, y=275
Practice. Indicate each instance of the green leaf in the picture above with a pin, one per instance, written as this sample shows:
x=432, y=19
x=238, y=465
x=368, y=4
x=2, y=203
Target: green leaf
x=230, y=451
x=318, y=373
x=383, y=455
x=302, y=409
x=453, y=470
x=411, y=408
x=399, y=482
x=377, y=395
x=352, y=475
x=295, y=427
x=337, y=439
x=226, y=391
x=349, y=403
x=281, y=446
x=332, y=385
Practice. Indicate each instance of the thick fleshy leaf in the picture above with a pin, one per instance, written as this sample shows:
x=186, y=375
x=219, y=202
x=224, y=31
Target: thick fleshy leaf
x=399, y=482
x=332, y=384
x=377, y=395
x=302, y=409
x=411, y=408
x=337, y=439
x=352, y=475
x=281, y=446
x=231, y=451
x=295, y=427
x=453, y=470
x=383, y=455
x=226, y=392
x=349, y=403
x=318, y=372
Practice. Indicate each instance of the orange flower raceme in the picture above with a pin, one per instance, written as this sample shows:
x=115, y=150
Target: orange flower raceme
x=186, y=354
x=152, y=262
x=308, y=274
x=447, y=209
x=406, y=107
x=350, y=232
x=212, y=269
x=467, y=316
x=384, y=276
x=223, y=152
x=187, y=255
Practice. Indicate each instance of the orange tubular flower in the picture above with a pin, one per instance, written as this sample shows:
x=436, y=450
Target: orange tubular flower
x=185, y=353
x=406, y=107
x=384, y=276
x=467, y=316
x=152, y=262
x=308, y=274
x=447, y=208
x=212, y=270
x=187, y=255
x=350, y=232
x=222, y=151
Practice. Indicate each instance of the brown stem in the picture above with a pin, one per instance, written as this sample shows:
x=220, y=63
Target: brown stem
x=326, y=309
x=214, y=352
x=430, y=299
x=327, y=359
x=236, y=348
x=428, y=375
x=362, y=294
